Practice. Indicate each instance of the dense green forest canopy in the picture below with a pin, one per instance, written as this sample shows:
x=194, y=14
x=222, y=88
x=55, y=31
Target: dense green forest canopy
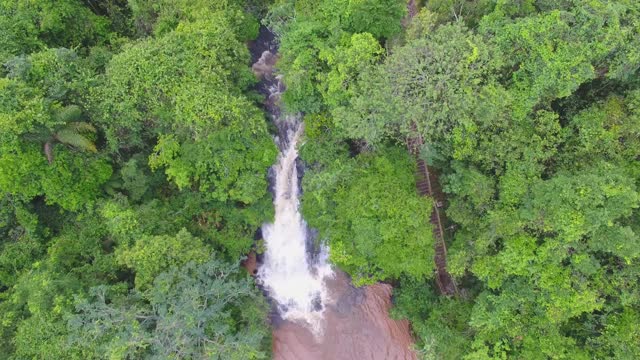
x=134, y=156
x=529, y=111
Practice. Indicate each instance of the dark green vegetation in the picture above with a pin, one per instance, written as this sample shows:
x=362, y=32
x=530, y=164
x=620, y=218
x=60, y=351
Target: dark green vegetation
x=530, y=111
x=133, y=161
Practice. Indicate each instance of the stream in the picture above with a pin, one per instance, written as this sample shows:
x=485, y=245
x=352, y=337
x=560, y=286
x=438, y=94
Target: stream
x=318, y=313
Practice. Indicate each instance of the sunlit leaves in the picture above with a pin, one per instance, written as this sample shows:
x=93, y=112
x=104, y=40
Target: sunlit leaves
x=152, y=255
x=372, y=217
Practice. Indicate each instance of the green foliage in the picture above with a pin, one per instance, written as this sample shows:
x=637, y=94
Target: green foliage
x=127, y=164
x=197, y=311
x=31, y=25
x=155, y=254
x=163, y=16
x=135, y=180
x=226, y=165
x=71, y=181
x=377, y=17
x=21, y=240
x=608, y=130
x=75, y=134
x=81, y=207
x=383, y=230
x=347, y=63
x=184, y=93
x=530, y=114
x=430, y=83
x=35, y=119
x=36, y=305
x=439, y=324
x=471, y=11
x=40, y=336
x=149, y=87
x=214, y=141
x=326, y=44
x=421, y=25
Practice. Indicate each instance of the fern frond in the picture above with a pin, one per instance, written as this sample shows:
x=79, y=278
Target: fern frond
x=68, y=113
x=73, y=138
x=81, y=127
x=39, y=135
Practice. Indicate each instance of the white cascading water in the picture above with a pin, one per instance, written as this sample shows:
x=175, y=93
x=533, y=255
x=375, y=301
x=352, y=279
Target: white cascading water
x=295, y=280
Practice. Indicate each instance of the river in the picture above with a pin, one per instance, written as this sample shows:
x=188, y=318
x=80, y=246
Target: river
x=318, y=313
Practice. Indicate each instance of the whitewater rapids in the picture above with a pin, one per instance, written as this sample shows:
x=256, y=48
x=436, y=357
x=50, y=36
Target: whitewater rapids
x=292, y=274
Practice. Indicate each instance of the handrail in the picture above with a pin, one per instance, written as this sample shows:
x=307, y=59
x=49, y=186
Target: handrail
x=446, y=283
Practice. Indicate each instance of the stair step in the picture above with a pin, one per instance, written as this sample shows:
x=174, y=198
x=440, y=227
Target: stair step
x=424, y=181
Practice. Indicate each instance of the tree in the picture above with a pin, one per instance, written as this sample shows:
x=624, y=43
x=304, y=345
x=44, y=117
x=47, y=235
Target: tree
x=368, y=210
x=179, y=102
x=144, y=92
x=558, y=50
x=429, y=84
x=98, y=217
x=312, y=35
x=28, y=26
x=531, y=119
x=161, y=17
x=73, y=133
x=347, y=63
x=37, y=114
x=195, y=312
x=151, y=255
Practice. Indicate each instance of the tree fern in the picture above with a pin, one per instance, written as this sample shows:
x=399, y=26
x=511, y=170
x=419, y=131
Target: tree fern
x=72, y=132
x=74, y=138
x=68, y=114
x=81, y=127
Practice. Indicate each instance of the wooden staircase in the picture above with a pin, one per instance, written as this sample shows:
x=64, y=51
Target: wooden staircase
x=425, y=183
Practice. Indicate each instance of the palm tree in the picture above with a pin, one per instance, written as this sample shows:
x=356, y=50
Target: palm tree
x=71, y=132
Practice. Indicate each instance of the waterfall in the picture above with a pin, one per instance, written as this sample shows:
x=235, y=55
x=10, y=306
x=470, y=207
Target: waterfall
x=291, y=272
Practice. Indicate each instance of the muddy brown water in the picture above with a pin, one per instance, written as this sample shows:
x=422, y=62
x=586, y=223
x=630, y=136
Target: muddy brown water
x=356, y=326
